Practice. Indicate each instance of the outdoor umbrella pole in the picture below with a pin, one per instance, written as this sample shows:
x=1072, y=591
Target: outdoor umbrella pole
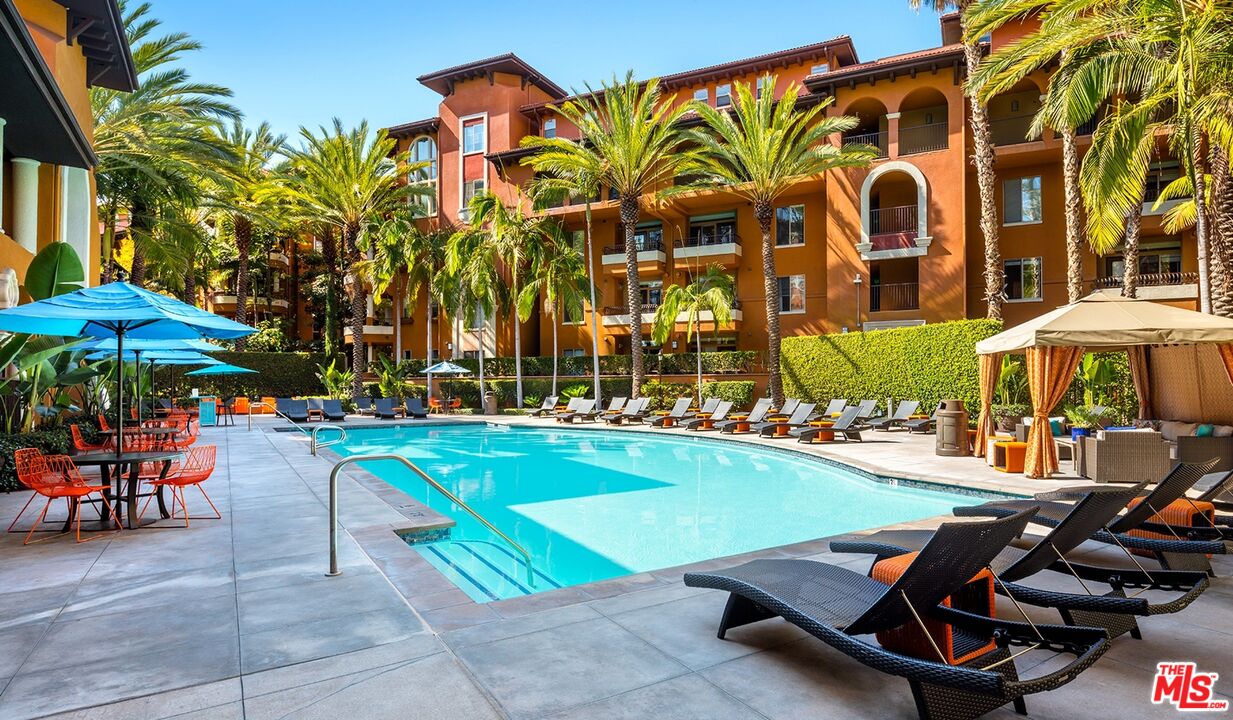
x=120, y=391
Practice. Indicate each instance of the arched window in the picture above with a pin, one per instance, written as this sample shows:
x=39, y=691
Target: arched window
x=424, y=150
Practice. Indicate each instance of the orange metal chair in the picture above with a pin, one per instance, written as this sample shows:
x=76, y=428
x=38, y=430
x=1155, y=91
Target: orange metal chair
x=455, y=403
x=434, y=405
x=79, y=442
x=196, y=469
x=102, y=423
x=55, y=477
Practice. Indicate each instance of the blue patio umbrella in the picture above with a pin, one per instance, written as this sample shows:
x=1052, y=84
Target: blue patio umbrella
x=445, y=367
x=143, y=344
x=157, y=357
x=221, y=369
x=122, y=311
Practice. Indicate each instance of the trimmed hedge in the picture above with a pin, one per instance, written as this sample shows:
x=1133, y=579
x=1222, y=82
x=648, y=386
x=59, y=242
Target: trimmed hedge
x=729, y=362
x=279, y=374
x=739, y=392
x=928, y=363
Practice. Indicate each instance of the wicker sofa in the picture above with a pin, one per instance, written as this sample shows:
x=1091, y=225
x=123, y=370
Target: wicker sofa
x=1126, y=456
x=1185, y=446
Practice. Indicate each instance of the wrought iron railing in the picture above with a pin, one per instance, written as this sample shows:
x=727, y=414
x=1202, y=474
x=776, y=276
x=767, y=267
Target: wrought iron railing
x=894, y=296
x=1149, y=280
x=649, y=245
x=923, y=138
x=897, y=219
x=1011, y=130
x=878, y=139
x=710, y=238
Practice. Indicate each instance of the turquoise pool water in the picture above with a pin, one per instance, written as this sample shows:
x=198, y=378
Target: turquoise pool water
x=593, y=505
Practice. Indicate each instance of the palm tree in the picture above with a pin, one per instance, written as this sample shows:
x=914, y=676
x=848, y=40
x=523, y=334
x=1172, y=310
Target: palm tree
x=395, y=246
x=472, y=281
x=759, y=150
x=710, y=292
x=560, y=277
x=241, y=192
x=350, y=180
x=982, y=158
x=634, y=134
x=422, y=273
x=571, y=169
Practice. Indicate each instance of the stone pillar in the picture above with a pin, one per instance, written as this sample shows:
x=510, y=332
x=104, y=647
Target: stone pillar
x=75, y=204
x=892, y=135
x=26, y=203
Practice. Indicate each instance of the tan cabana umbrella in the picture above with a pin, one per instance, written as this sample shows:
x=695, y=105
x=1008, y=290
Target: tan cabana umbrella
x=1054, y=344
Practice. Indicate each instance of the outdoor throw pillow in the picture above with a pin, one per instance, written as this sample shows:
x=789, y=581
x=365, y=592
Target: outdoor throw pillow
x=1056, y=427
x=1204, y=430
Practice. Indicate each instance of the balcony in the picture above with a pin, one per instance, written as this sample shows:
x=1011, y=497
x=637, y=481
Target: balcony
x=651, y=257
x=705, y=248
x=894, y=296
x=372, y=333
x=878, y=139
x=923, y=138
x=1156, y=286
x=1011, y=130
x=226, y=302
x=278, y=259
x=893, y=228
x=617, y=316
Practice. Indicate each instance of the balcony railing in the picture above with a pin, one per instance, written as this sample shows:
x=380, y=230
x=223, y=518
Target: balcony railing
x=893, y=228
x=647, y=308
x=877, y=139
x=707, y=239
x=1011, y=130
x=642, y=245
x=1149, y=280
x=894, y=296
x=923, y=138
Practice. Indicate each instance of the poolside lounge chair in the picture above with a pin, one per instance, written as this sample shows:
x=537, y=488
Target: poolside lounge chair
x=834, y=407
x=414, y=408
x=616, y=406
x=636, y=410
x=583, y=410
x=549, y=404
x=1031, y=554
x=363, y=405
x=333, y=410
x=294, y=410
x=570, y=407
x=906, y=409
x=866, y=409
x=1140, y=528
x=847, y=426
x=756, y=415
x=316, y=408
x=923, y=424
x=708, y=423
x=708, y=406
x=780, y=428
x=387, y=409
x=838, y=605
x=789, y=407
x=679, y=411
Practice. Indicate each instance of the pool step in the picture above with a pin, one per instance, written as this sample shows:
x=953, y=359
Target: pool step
x=484, y=570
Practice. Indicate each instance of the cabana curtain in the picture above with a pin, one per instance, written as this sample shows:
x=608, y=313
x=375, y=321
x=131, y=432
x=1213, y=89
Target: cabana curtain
x=1049, y=371
x=1226, y=354
x=990, y=368
x=1141, y=378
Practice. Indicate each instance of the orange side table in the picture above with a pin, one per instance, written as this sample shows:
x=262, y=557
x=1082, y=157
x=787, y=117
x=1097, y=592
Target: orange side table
x=1008, y=457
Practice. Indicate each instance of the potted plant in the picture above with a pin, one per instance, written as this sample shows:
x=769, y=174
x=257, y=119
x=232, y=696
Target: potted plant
x=1082, y=419
x=1006, y=416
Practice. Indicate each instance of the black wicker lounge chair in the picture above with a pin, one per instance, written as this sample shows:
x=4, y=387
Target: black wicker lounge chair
x=363, y=405
x=583, y=410
x=708, y=423
x=1176, y=547
x=923, y=424
x=333, y=410
x=847, y=426
x=549, y=405
x=1029, y=555
x=835, y=605
x=906, y=409
x=756, y=415
x=679, y=411
x=780, y=428
x=635, y=410
x=414, y=408
x=387, y=409
x=294, y=410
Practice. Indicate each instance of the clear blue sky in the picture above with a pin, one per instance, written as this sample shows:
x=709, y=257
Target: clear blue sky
x=302, y=62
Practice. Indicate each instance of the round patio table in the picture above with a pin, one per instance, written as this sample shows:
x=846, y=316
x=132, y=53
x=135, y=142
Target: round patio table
x=159, y=433
x=112, y=466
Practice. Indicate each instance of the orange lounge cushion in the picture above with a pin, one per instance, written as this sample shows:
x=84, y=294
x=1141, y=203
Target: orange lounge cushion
x=1179, y=513
x=976, y=597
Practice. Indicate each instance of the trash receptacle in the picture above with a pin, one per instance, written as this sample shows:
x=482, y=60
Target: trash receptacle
x=952, y=434
x=490, y=403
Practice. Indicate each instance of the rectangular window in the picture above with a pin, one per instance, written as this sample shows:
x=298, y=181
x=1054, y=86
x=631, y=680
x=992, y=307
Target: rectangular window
x=473, y=136
x=718, y=229
x=470, y=354
x=470, y=189
x=723, y=95
x=701, y=95
x=762, y=80
x=792, y=294
x=1023, y=278
x=1021, y=200
x=819, y=68
x=574, y=352
x=790, y=225
x=550, y=128
x=646, y=237
x=652, y=293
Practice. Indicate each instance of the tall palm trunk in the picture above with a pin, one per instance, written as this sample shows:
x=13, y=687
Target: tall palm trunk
x=1201, y=230
x=1130, y=255
x=1221, y=246
x=138, y=235
x=190, y=286
x=555, y=352
x=329, y=254
x=428, y=328
x=109, y=240
x=594, y=313
x=398, y=300
x=764, y=213
x=633, y=291
x=243, y=246
x=137, y=271
x=986, y=182
x=1074, y=219
x=698, y=359
x=517, y=344
x=482, y=327
x=358, y=310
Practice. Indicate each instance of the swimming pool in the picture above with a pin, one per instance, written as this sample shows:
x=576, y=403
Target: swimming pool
x=592, y=505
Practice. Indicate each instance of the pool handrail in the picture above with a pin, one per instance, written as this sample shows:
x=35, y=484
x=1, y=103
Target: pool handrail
x=314, y=445
x=334, y=571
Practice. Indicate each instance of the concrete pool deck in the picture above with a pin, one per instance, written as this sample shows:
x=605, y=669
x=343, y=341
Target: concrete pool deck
x=234, y=618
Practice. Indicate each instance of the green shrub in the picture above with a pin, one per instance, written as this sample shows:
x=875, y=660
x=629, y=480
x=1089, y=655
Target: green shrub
x=279, y=374
x=1118, y=394
x=738, y=392
x=713, y=363
x=926, y=363
x=51, y=442
x=664, y=394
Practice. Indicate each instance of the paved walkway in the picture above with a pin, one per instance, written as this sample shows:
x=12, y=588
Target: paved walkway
x=233, y=618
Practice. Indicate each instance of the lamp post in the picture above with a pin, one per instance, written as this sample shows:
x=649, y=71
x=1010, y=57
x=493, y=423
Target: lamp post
x=857, y=281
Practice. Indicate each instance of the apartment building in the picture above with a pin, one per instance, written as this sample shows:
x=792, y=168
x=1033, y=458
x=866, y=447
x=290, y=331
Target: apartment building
x=51, y=53
x=894, y=244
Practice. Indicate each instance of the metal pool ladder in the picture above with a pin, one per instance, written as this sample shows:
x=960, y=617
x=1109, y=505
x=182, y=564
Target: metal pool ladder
x=334, y=571
x=314, y=445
